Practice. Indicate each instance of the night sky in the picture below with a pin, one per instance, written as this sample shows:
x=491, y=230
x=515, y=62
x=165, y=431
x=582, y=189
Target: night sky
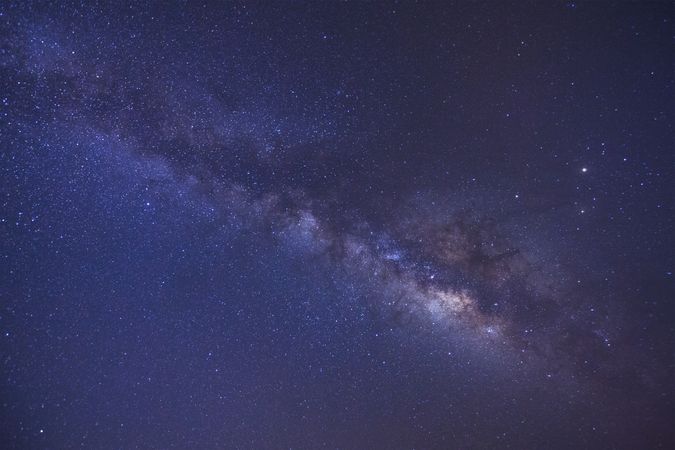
x=267, y=225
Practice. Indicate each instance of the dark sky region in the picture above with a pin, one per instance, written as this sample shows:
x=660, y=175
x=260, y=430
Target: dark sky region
x=340, y=225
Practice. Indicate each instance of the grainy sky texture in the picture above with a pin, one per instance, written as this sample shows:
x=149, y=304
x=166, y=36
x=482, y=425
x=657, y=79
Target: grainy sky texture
x=344, y=225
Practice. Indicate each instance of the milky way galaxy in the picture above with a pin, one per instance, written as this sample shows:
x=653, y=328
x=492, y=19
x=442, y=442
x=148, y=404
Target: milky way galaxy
x=336, y=225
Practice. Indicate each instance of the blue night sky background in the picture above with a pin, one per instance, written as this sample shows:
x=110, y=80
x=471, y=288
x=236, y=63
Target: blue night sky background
x=342, y=225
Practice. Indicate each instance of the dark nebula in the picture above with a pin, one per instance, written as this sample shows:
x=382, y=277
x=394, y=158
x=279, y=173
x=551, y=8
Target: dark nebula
x=337, y=225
